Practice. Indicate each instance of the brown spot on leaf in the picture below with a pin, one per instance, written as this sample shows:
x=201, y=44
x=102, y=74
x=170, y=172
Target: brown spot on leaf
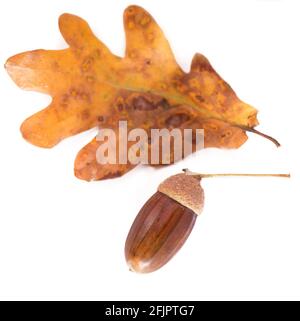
x=200, y=98
x=85, y=114
x=228, y=133
x=55, y=66
x=86, y=65
x=64, y=100
x=98, y=53
x=142, y=103
x=163, y=103
x=112, y=175
x=90, y=79
x=145, y=20
x=79, y=94
x=120, y=106
x=177, y=120
x=150, y=36
x=73, y=92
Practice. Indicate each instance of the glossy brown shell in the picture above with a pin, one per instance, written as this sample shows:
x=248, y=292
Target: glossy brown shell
x=158, y=232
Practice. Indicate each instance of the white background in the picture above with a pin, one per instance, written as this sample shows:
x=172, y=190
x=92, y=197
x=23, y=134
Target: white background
x=62, y=238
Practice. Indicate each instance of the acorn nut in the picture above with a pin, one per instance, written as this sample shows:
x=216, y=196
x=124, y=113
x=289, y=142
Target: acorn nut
x=164, y=223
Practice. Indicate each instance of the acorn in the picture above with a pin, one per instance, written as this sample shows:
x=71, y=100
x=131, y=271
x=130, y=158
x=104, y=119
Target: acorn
x=166, y=220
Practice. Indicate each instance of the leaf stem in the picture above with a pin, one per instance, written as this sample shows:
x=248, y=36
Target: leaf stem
x=255, y=131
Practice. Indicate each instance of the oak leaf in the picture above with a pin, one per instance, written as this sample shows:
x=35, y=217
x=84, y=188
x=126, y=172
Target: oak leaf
x=90, y=86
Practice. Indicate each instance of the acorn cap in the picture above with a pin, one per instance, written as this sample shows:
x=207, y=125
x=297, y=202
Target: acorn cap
x=185, y=189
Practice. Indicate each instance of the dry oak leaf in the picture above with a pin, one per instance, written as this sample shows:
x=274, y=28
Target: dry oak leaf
x=90, y=86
